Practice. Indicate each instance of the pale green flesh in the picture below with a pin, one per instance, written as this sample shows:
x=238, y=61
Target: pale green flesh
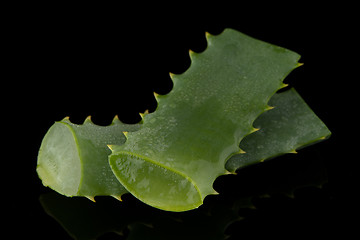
x=143, y=173
x=200, y=123
x=291, y=125
x=59, y=161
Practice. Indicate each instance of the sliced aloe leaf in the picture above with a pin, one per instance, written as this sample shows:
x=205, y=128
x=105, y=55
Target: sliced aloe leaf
x=73, y=160
x=181, y=148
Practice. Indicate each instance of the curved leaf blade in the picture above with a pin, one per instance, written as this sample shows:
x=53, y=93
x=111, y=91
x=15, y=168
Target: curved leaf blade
x=290, y=126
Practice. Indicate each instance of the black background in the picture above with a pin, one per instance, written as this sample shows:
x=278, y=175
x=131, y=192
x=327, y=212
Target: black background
x=78, y=61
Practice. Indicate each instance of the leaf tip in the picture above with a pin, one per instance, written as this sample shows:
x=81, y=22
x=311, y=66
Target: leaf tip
x=207, y=35
x=125, y=134
x=117, y=197
x=171, y=75
x=116, y=119
x=142, y=115
x=240, y=151
x=299, y=64
x=230, y=173
x=191, y=53
x=284, y=85
x=215, y=192
x=254, y=130
x=87, y=120
x=67, y=118
x=156, y=95
x=267, y=108
x=90, y=198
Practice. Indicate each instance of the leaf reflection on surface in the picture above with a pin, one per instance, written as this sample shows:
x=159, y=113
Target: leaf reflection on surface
x=132, y=220
x=83, y=219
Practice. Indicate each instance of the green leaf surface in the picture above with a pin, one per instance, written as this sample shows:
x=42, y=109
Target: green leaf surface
x=181, y=148
x=291, y=125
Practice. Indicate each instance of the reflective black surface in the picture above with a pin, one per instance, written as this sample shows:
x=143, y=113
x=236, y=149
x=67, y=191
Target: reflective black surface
x=75, y=63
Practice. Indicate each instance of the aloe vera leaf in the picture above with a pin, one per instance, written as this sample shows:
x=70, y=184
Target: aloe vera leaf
x=72, y=158
x=291, y=125
x=289, y=107
x=181, y=148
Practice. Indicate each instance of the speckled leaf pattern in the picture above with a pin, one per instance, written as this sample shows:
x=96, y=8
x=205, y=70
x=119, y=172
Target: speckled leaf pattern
x=181, y=148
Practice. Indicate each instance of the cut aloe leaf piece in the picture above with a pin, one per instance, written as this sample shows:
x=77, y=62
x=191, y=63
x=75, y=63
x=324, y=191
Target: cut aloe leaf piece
x=181, y=148
x=73, y=161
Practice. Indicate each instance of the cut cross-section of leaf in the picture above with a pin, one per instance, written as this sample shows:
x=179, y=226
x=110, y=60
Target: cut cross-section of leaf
x=73, y=160
x=153, y=180
x=59, y=164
